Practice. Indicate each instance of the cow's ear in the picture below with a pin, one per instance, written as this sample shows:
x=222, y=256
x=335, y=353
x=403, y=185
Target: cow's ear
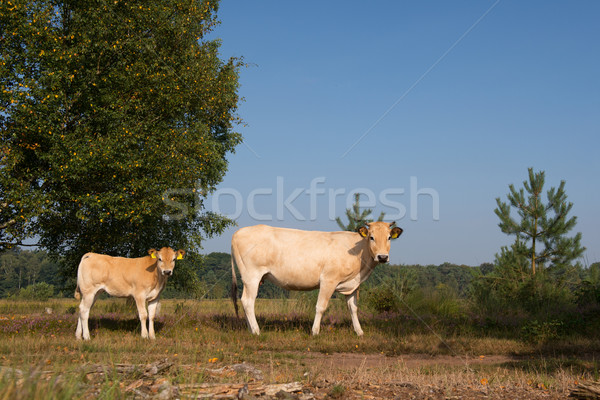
x=364, y=232
x=396, y=232
x=152, y=253
x=180, y=254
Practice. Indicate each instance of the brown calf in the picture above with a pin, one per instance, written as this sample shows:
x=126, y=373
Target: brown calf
x=141, y=278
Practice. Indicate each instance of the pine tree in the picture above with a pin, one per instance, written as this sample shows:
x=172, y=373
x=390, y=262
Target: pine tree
x=542, y=226
x=356, y=217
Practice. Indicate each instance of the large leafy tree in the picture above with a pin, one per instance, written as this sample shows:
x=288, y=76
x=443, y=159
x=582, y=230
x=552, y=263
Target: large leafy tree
x=542, y=225
x=114, y=115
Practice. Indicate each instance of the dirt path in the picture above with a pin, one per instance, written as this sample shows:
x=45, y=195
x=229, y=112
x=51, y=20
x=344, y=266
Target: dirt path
x=354, y=360
x=420, y=376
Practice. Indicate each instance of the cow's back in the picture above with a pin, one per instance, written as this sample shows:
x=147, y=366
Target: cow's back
x=118, y=276
x=296, y=259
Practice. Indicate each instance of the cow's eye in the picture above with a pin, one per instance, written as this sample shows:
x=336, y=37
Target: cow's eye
x=389, y=238
x=372, y=238
x=160, y=259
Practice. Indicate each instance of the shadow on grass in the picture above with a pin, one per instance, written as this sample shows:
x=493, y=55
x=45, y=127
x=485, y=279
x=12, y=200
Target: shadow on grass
x=121, y=324
x=275, y=322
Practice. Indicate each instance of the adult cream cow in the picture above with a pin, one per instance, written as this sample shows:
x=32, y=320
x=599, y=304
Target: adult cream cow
x=305, y=260
x=141, y=278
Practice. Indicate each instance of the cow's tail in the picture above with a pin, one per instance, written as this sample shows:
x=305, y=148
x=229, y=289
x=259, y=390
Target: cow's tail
x=234, y=287
x=77, y=293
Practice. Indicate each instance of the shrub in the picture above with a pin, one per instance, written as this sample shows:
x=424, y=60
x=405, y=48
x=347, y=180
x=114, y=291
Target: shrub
x=507, y=301
x=39, y=291
x=541, y=332
x=383, y=299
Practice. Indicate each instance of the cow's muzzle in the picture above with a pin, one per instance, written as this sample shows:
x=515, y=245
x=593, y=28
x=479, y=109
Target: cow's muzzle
x=167, y=272
x=382, y=258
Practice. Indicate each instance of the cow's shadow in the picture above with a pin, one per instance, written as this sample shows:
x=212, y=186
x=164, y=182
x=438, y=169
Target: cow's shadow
x=117, y=324
x=267, y=323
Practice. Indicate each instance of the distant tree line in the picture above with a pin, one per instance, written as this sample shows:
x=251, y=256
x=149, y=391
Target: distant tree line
x=20, y=269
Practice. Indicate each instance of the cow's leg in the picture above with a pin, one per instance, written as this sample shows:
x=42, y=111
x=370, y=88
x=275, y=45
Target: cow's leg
x=140, y=302
x=151, y=314
x=248, y=298
x=79, y=329
x=325, y=292
x=87, y=301
x=351, y=299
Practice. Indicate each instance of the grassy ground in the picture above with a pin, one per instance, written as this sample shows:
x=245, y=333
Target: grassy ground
x=40, y=358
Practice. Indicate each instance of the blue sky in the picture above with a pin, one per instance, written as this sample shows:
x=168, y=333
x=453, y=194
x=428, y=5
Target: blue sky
x=431, y=108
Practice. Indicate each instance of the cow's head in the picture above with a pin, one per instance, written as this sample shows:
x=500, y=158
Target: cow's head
x=165, y=258
x=379, y=235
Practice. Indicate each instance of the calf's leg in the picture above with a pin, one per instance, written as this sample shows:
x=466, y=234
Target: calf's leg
x=152, y=305
x=140, y=302
x=87, y=301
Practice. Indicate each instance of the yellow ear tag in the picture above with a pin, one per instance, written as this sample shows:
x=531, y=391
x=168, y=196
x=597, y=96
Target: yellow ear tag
x=153, y=255
x=394, y=235
x=180, y=256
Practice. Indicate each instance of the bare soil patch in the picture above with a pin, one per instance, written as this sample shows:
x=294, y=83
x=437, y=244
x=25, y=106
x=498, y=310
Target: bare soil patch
x=357, y=360
x=414, y=376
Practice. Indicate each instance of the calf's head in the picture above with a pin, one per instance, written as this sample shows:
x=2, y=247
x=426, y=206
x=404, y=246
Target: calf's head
x=165, y=258
x=379, y=236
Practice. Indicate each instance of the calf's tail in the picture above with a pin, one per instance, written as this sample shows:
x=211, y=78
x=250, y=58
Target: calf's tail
x=234, y=283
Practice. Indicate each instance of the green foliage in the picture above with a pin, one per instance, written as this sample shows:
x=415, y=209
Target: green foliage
x=383, y=298
x=421, y=291
x=457, y=277
x=39, y=291
x=537, y=276
x=338, y=391
x=541, y=332
x=388, y=292
x=185, y=283
x=356, y=217
x=504, y=297
x=542, y=226
x=588, y=293
x=21, y=268
x=115, y=121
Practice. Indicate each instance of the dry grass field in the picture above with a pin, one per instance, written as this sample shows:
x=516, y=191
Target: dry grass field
x=203, y=351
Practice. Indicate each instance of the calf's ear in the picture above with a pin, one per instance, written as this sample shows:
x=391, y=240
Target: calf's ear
x=396, y=232
x=180, y=254
x=152, y=253
x=364, y=232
